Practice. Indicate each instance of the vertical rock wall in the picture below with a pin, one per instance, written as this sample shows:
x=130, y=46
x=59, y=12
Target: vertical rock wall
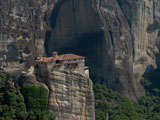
x=70, y=93
x=118, y=44
x=23, y=24
x=98, y=30
x=144, y=19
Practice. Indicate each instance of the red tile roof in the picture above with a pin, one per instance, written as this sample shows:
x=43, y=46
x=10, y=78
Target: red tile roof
x=69, y=57
x=60, y=57
x=45, y=59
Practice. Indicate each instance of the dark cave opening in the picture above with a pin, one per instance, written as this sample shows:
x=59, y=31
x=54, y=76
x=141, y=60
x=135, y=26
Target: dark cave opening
x=93, y=47
x=88, y=45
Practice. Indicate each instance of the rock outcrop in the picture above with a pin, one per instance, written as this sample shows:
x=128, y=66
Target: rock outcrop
x=29, y=77
x=70, y=93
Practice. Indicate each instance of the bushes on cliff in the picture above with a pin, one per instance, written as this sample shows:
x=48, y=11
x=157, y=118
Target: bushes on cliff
x=36, y=99
x=43, y=115
x=12, y=103
x=12, y=106
x=4, y=79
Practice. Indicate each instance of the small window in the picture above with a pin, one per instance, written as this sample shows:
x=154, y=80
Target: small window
x=26, y=50
x=58, y=61
x=21, y=61
x=37, y=66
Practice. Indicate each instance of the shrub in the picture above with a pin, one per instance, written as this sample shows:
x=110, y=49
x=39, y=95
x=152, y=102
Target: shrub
x=36, y=97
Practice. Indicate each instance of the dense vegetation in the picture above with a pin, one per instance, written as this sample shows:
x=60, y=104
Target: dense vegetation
x=14, y=106
x=121, y=108
x=107, y=102
x=36, y=97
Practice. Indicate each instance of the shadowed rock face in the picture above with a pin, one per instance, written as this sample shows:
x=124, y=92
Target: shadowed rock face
x=98, y=30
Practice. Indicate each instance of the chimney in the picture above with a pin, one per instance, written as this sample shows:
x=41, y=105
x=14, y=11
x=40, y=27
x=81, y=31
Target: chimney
x=55, y=54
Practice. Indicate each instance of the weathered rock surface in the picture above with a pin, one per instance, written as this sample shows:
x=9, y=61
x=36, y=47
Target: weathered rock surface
x=23, y=26
x=22, y=31
x=119, y=45
x=98, y=30
x=120, y=42
x=29, y=77
x=70, y=93
x=144, y=19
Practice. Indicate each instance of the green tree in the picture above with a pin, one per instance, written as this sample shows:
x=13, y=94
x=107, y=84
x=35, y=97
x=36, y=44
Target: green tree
x=15, y=102
x=36, y=97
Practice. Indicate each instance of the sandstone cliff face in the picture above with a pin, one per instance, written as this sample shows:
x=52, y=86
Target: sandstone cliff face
x=23, y=26
x=144, y=19
x=99, y=31
x=96, y=29
x=22, y=31
x=70, y=93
